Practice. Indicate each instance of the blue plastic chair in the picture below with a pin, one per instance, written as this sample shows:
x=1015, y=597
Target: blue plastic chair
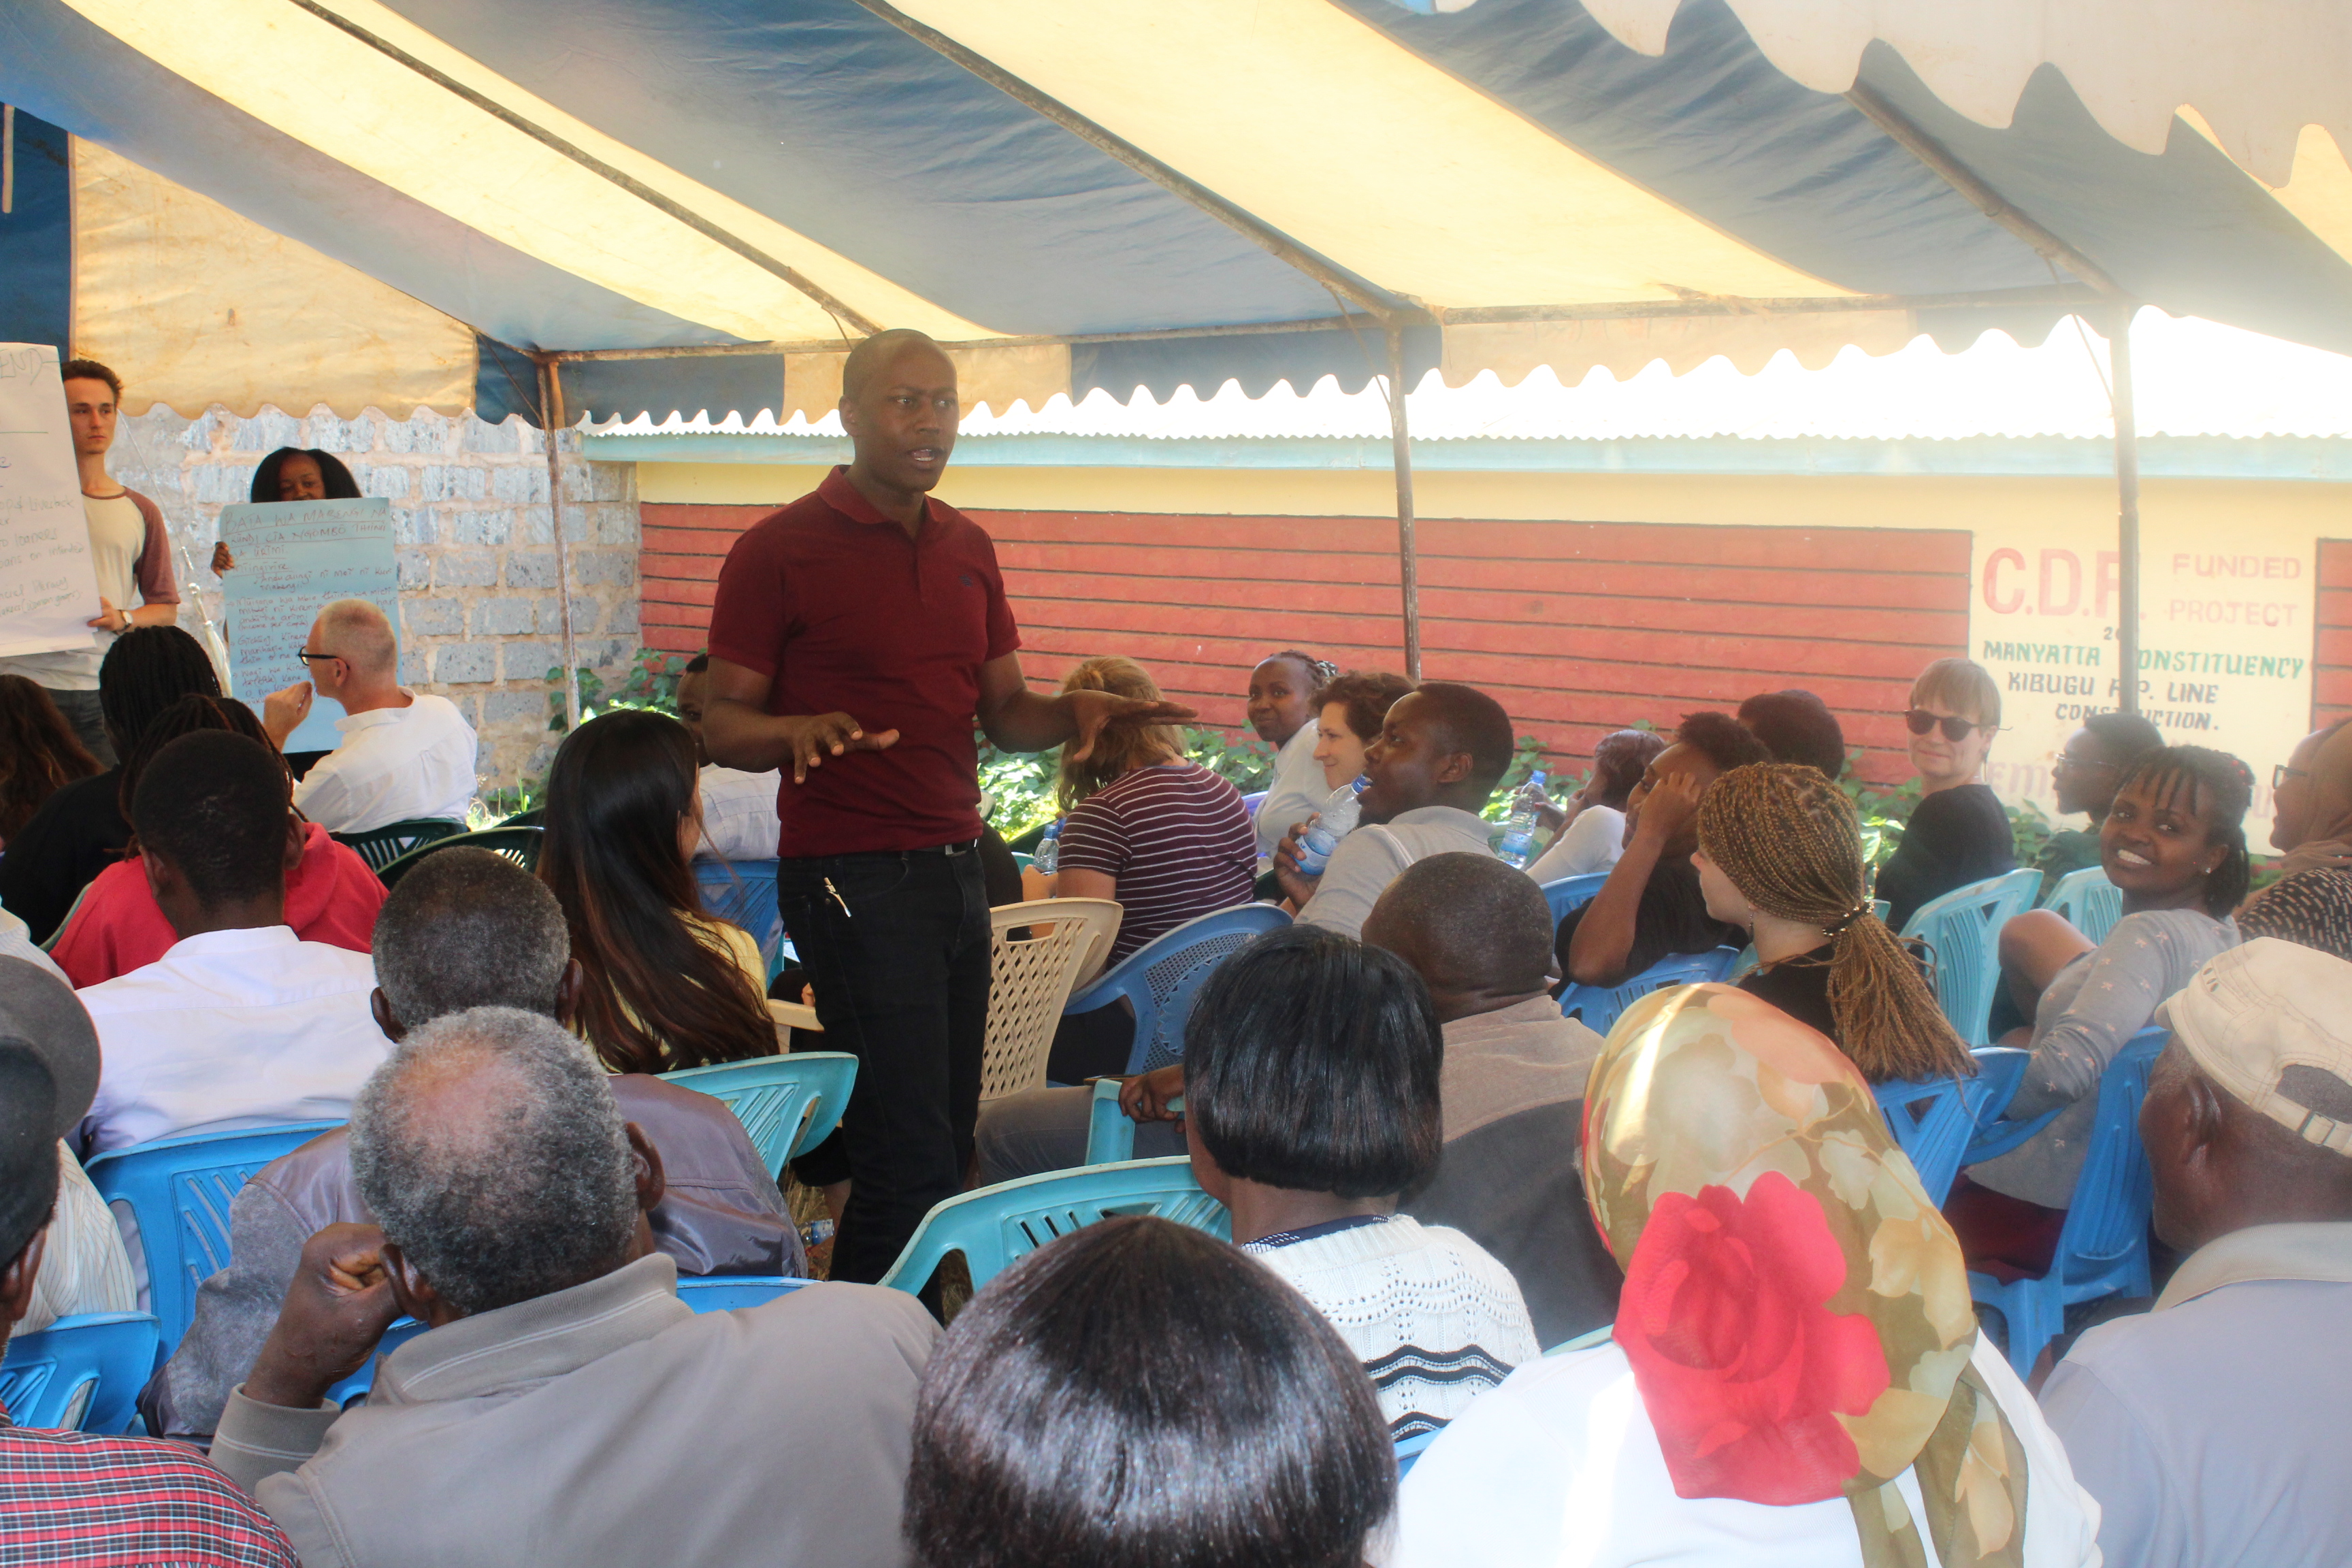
x=2090, y=903
x=1600, y=1004
x=996, y=1225
x=743, y=893
x=1962, y=929
x=1160, y=978
x=1252, y=802
x=2102, y=1247
x=789, y=1104
x=179, y=1190
x=80, y=1373
x=703, y=1292
x=1110, y=1136
x=1935, y=1120
x=1572, y=893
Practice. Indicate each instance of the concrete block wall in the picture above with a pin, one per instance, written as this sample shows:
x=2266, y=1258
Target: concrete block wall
x=481, y=623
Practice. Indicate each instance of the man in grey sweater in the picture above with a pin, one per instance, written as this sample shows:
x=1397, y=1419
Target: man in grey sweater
x=562, y=1405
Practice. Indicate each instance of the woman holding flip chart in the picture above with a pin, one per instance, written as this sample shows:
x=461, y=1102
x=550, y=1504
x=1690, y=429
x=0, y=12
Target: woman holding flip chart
x=295, y=473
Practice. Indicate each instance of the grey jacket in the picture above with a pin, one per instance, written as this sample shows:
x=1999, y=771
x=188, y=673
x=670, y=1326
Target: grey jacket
x=609, y=1424
x=722, y=1214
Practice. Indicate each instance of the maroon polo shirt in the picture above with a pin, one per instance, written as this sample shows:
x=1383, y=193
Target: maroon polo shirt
x=843, y=613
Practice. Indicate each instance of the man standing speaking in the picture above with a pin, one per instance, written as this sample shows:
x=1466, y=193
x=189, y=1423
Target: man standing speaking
x=857, y=636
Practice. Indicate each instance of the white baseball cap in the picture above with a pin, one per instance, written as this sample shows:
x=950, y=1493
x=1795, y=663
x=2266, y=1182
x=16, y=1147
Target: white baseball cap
x=2260, y=1009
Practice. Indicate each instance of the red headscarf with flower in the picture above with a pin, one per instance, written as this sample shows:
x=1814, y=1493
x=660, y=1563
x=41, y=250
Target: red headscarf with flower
x=1795, y=1310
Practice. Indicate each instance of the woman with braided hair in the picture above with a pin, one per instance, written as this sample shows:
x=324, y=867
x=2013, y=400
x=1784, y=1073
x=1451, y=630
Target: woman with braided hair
x=1780, y=852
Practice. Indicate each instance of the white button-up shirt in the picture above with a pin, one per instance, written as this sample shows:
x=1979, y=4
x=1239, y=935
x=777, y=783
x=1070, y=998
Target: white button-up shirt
x=229, y=1029
x=738, y=815
x=394, y=764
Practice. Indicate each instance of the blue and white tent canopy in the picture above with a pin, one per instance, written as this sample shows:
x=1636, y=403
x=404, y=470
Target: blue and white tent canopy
x=399, y=201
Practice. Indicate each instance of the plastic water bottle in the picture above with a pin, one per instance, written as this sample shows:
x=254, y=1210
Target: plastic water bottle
x=1518, y=845
x=1047, y=857
x=1331, y=825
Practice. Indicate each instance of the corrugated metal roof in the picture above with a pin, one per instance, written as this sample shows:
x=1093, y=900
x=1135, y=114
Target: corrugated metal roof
x=2193, y=378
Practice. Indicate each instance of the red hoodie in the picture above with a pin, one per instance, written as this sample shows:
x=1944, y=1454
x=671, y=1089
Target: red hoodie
x=332, y=897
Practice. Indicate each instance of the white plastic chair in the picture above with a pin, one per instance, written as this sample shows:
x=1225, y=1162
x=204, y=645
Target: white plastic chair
x=1031, y=975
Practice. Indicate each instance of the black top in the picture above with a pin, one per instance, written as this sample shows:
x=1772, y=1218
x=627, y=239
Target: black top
x=1955, y=837
x=76, y=834
x=1798, y=987
x=1672, y=917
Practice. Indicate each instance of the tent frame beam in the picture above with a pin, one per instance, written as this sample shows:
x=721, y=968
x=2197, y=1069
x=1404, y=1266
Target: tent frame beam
x=2119, y=362
x=2067, y=294
x=551, y=426
x=831, y=304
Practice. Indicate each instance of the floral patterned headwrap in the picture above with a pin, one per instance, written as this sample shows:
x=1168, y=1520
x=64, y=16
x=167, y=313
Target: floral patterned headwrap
x=1795, y=1310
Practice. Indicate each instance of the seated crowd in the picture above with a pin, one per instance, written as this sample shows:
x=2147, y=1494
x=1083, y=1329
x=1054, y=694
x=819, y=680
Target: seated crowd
x=1630, y=1278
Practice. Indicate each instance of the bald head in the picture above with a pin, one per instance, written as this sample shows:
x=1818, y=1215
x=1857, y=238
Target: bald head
x=879, y=353
x=1479, y=932
x=357, y=632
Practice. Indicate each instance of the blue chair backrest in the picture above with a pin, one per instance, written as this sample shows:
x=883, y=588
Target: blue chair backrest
x=731, y=1292
x=703, y=1292
x=2102, y=1247
x=996, y=1225
x=743, y=893
x=1572, y=893
x=1250, y=803
x=179, y=1190
x=1160, y=978
x=2088, y=901
x=1599, y=1005
x=1934, y=1121
x=1962, y=930
x=80, y=1373
x=787, y=1103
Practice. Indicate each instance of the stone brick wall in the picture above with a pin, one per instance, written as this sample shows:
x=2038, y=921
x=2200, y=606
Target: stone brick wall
x=480, y=620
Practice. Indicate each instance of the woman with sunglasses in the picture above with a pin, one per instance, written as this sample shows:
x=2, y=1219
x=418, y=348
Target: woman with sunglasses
x=1959, y=833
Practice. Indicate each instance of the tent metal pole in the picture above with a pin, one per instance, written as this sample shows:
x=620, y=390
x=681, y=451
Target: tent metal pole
x=2126, y=513
x=1408, y=560
x=551, y=414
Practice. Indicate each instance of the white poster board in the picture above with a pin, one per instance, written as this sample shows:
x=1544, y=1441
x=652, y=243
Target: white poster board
x=293, y=558
x=2225, y=635
x=48, y=590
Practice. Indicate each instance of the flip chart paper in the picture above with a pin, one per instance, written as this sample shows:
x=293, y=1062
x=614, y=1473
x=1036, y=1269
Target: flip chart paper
x=293, y=558
x=48, y=590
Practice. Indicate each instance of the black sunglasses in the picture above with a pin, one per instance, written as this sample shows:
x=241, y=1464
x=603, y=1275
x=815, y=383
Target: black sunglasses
x=306, y=657
x=1954, y=728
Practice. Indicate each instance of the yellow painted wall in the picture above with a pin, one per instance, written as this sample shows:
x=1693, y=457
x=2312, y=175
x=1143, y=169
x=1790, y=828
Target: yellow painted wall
x=2285, y=513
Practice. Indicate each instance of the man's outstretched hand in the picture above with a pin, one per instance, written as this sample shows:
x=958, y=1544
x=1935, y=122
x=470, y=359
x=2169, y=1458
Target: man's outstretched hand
x=1090, y=711
x=337, y=1308
x=812, y=740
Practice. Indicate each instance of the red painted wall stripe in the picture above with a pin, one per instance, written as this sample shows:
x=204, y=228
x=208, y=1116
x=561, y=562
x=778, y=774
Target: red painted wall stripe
x=1576, y=627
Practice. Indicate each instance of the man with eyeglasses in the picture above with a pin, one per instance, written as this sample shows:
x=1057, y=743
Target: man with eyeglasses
x=404, y=755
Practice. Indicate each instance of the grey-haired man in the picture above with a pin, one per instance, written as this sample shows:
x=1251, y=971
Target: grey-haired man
x=466, y=929
x=564, y=1405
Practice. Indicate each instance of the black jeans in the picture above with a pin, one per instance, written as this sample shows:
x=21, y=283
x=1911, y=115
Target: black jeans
x=896, y=945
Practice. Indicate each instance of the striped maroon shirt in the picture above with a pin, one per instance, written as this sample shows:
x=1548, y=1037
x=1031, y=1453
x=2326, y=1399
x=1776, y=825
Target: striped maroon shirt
x=1178, y=840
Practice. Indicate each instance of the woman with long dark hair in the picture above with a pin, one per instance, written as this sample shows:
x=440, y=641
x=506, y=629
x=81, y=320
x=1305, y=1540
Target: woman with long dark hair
x=39, y=753
x=665, y=987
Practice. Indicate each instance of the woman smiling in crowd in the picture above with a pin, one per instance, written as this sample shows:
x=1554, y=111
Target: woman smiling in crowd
x=2174, y=842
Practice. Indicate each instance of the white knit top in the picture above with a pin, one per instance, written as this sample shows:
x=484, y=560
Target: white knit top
x=1435, y=1319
